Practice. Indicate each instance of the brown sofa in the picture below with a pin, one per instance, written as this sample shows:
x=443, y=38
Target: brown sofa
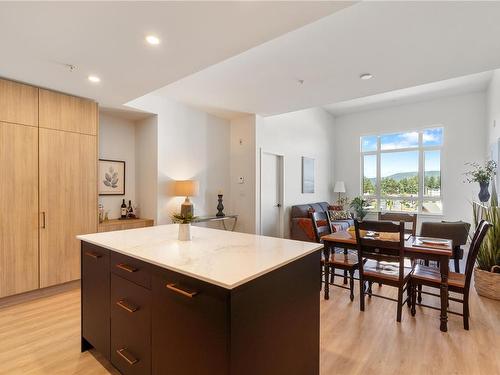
x=301, y=225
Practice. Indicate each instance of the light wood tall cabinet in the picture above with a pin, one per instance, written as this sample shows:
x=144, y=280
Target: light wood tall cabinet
x=48, y=185
x=19, y=202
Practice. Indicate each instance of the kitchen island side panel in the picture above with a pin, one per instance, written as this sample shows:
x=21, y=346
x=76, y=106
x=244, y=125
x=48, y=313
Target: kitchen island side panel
x=275, y=321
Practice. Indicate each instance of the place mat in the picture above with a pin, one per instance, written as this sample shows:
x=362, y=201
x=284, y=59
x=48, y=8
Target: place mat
x=433, y=243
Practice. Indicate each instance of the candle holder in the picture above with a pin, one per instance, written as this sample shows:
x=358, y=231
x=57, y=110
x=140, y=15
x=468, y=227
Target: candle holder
x=220, y=207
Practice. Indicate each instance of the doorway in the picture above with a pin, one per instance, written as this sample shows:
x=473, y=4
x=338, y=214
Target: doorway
x=271, y=194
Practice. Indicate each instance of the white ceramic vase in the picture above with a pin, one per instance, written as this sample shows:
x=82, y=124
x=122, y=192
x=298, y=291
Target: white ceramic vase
x=184, y=232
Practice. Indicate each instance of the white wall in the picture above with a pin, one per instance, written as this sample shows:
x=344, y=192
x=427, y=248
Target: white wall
x=463, y=118
x=493, y=108
x=117, y=142
x=307, y=133
x=190, y=144
x=146, y=156
x=243, y=164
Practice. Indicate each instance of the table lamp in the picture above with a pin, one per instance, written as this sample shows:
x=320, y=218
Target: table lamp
x=186, y=188
x=339, y=188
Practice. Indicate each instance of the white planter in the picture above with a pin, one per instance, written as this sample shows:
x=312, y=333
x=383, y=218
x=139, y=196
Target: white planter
x=184, y=232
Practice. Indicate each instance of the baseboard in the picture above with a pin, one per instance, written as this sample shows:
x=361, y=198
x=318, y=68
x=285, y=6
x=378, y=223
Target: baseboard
x=39, y=293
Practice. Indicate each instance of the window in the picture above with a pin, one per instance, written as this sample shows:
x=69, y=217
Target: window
x=402, y=171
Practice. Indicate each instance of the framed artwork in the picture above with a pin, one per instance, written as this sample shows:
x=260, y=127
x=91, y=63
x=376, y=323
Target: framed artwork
x=307, y=175
x=111, y=177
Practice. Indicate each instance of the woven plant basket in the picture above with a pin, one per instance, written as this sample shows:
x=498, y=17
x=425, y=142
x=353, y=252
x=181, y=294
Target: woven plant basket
x=487, y=284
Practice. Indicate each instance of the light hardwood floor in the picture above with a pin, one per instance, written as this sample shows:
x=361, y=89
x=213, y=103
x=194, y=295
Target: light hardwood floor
x=43, y=337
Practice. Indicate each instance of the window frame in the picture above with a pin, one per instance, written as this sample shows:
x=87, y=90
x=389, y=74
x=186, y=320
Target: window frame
x=420, y=198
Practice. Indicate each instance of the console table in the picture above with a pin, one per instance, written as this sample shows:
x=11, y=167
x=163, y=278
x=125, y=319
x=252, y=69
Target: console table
x=222, y=219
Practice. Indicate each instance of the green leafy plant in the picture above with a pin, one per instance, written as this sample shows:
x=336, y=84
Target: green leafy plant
x=488, y=257
x=479, y=173
x=359, y=205
x=178, y=218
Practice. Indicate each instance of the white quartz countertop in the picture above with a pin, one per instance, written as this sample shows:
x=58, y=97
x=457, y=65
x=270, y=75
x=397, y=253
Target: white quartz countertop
x=227, y=259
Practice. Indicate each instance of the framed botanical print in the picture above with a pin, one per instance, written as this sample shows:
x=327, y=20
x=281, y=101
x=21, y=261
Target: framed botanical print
x=111, y=177
x=307, y=175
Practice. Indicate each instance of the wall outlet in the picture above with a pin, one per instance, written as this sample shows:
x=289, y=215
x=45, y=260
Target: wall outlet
x=241, y=180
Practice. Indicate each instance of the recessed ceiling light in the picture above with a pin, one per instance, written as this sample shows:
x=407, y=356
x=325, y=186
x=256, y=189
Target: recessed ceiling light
x=154, y=40
x=94, y=79
x=365, y=76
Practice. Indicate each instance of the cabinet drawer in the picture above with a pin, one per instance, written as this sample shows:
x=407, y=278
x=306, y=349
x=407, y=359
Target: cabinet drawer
x=130, y=327
x=131, y=269
x=187, y=311
x=95, y=297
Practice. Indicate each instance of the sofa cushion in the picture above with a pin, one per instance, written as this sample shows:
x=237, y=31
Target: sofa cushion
x=339, y=215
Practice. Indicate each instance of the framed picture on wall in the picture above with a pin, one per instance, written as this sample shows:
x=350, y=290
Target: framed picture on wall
x=111, y=177
x=307, y=175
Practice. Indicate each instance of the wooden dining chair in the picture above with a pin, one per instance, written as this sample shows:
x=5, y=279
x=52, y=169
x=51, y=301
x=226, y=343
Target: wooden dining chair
x=457, y=232
x=457, y=282
x=381, y=260
x=344, y=261
x=401, y=217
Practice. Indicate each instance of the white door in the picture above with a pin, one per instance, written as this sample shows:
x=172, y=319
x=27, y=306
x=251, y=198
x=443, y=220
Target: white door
x=271, y=195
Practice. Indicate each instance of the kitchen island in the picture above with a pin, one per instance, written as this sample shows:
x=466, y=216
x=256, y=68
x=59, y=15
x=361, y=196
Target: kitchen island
x=225, y=303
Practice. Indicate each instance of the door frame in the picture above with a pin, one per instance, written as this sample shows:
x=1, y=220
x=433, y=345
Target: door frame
x=281, y=192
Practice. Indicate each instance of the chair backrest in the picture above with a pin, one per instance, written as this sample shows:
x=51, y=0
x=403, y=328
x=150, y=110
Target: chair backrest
x=457, y=231
x=400, y=216
x=381, y=248
x=321, y=224
x=475, y=245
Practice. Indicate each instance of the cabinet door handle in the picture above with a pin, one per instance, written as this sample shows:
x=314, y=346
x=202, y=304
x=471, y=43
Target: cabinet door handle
x=129, y=358
x=184, y=292
x=43, y=219
x=93, y=255
x=126, y=267
x=127, y=306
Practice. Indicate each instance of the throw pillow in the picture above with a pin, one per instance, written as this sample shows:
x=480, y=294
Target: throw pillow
x=339, y=215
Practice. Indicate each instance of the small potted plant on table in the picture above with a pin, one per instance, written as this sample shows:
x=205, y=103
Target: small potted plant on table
x=184, y=222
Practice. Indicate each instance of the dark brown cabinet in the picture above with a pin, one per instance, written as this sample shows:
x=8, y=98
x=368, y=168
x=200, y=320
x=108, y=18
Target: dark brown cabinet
x=130, y=327
x=195, y=314
x=95, y=298
x=150, y=320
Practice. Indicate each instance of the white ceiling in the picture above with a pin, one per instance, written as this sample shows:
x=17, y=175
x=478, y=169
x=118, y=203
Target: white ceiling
x=107, y=39
x=403, y=44
x=454, y=86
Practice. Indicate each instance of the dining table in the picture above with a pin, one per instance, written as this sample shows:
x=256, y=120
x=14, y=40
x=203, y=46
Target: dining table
x=413, y=248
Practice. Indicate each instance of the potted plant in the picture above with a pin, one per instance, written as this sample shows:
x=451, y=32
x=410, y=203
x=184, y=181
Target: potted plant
x=359, y=205
x=184, y=222
x=482, y=175
x=487, y=271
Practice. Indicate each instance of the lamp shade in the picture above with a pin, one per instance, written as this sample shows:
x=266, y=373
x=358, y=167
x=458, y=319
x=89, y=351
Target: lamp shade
x=339, y=187
x=186, y=188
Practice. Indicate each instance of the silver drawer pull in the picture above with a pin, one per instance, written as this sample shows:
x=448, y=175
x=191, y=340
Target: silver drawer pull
x=129, y=358
x=127, y=306
x=184, y=292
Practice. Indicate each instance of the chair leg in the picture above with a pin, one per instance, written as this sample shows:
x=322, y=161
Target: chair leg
x=466, y=312
x=351, y=284
x=457, y=265
x=332, y=276
x=400, y=304
x=370, y=283
x=345, y=277
x=413, y=299
x=419, y=297
x=361, y=294
x=327, y=285
x=408, y=294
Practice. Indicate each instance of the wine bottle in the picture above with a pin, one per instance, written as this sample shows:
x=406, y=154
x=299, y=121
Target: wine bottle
x=123, y=210
x=130, y=210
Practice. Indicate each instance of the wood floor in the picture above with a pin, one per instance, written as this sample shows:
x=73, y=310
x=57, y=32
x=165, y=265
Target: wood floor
x=43, y=337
